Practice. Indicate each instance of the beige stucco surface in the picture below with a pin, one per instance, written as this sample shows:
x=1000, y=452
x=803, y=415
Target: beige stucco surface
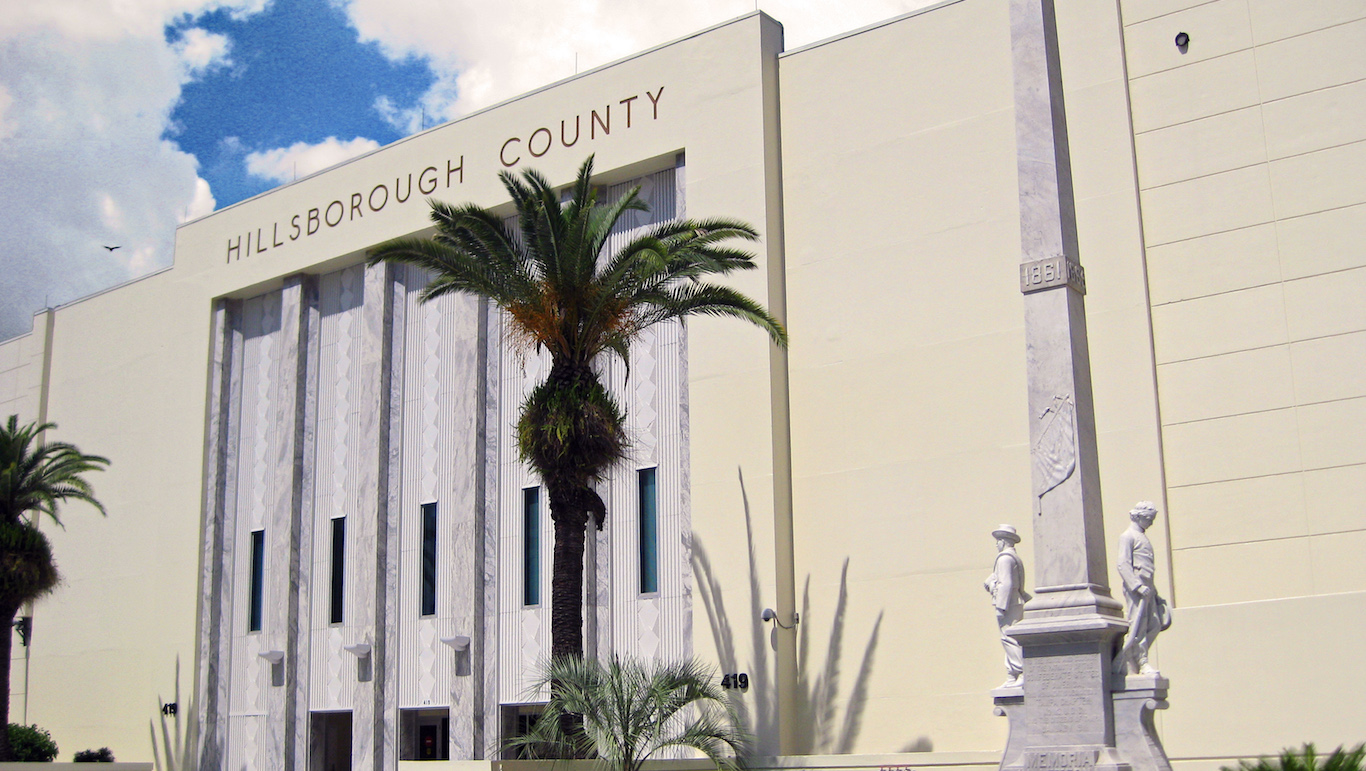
x=908, y=362
x=1250, y=165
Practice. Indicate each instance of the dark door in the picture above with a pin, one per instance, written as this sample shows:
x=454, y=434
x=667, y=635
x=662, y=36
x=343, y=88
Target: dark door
x=331, y=745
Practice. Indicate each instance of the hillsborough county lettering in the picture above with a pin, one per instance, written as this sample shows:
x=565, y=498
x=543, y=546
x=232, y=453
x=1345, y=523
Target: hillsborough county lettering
x=591, y=125
x=598, y=123
x=338, y=211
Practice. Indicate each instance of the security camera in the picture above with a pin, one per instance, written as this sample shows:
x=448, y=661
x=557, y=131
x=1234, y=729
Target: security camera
x=768, y=614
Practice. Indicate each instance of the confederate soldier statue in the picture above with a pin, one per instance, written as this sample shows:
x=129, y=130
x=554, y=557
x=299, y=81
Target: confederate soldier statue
x=1006, y=587
x=1148, y=614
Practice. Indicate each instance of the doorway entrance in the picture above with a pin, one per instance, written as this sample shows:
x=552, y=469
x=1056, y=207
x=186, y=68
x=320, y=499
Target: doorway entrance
x=330, y=741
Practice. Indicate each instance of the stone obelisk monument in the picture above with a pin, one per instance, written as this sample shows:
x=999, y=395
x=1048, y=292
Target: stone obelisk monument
x=1069, y=627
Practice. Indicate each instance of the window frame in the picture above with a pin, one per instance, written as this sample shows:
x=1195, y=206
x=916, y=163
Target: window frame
x=256, y=578
x=336, y=610
x=647, y=531
x=531, y=546
x=427, y=559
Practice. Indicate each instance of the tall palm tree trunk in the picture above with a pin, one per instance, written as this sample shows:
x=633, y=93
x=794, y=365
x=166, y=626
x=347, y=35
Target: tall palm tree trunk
x=566, y=583
x=7, y=614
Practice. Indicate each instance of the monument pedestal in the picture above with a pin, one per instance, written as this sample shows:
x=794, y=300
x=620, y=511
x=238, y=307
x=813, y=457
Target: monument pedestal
x=1136, y=698
x=1068, y=717
x=1136, y=746
x=1010, y=705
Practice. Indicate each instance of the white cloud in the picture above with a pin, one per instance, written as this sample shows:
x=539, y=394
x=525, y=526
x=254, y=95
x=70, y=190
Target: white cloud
x=285, y=164
x=494, y=51
x=86, y=91
x=201, y=204
x=407, y=121
x=200, y=50
x=119, y=20
x=110, y=212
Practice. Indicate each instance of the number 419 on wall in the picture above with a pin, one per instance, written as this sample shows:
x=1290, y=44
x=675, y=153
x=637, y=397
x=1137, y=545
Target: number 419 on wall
x=732, y=680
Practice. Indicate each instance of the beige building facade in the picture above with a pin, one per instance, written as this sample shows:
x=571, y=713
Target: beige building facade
x=272, y=383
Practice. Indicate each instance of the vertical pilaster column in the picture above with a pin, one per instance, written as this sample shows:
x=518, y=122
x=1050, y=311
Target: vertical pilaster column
x=215, y=593
x=305, y=340
x=484, y=650
x=293, y=410
x=387, y=555
x=1069, y=626
x=373, y=733
x=464, y=355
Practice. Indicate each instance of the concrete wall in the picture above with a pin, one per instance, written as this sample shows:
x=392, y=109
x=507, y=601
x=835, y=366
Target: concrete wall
x=21, y=371
x=910, y=429
x=1251, y=150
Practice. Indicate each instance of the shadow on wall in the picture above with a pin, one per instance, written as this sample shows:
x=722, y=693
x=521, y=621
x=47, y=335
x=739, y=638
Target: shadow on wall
x=825, y=730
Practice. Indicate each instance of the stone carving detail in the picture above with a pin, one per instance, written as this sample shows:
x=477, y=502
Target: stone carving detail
x=1049, y=272
x=1008, y=595
x=1148, y=613
x=1055, y=453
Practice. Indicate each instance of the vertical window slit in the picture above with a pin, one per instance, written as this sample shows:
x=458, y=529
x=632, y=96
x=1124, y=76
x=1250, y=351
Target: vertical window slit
x=531, y=546
x=649, y=531
x=338, y=570
x=258, y=583
x=428, y=559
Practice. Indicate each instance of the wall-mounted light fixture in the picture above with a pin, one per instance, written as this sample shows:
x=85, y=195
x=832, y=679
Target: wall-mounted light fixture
x=460, y=644
x=364, y=668
x=769, y=615
x=277, y=671
x=23, y=626
x=1183, y=41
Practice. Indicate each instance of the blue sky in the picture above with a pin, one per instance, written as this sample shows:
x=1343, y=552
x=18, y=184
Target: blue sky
x=121, y=120
x=297, y=73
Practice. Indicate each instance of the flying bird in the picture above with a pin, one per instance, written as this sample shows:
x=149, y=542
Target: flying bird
x=112, y=248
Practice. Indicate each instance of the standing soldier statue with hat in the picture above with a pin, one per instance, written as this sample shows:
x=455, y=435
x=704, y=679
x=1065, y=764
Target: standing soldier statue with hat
x=1006, y=587
x=1148, y=613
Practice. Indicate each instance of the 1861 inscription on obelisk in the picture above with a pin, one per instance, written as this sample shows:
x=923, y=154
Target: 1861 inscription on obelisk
x=1069, y=626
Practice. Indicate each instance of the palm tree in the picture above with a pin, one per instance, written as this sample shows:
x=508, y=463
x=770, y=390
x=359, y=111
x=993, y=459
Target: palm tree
x=624, y=712
x=35, y=477
x=561, y=293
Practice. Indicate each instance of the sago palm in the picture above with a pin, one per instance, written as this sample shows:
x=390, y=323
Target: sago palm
x=1306, y=758
x=562, y=293
x=35, y=478
x=625, y=712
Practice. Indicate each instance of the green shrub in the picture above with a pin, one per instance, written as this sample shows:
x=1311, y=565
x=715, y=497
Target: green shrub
x=31, y=743
x=102, y=755
x=1306, y=759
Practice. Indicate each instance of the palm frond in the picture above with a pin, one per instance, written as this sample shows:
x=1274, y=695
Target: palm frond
x=708, y=300
x=41, y=476
x=623, y=712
